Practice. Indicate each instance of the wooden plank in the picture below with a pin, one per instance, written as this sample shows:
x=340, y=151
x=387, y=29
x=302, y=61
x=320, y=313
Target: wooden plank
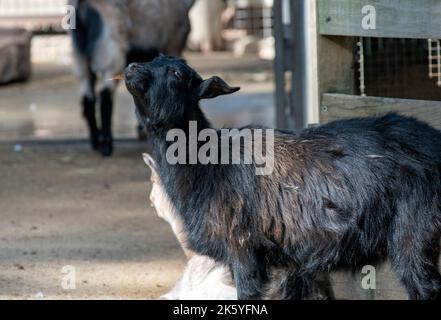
x=340, y=106
x=418, y=19
x=336, y=65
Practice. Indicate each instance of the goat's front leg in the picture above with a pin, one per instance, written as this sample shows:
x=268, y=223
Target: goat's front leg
x=107, y=90
x=106, y=100
x=250, y=276
x=88, y=81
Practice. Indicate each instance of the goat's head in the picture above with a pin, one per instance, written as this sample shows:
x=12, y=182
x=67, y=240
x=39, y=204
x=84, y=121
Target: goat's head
x=167, y=90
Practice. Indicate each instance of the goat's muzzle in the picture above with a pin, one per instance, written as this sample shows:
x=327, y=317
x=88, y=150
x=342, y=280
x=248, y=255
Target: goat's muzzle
x=132, y=70
x=135, y=75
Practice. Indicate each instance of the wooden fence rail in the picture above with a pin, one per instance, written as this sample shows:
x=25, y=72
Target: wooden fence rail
x=419, y=19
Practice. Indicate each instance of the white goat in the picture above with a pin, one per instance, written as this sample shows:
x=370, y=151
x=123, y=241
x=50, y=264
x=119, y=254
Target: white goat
x=203, y=277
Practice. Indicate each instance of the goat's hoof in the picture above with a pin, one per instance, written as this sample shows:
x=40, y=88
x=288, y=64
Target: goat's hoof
x=106, y=147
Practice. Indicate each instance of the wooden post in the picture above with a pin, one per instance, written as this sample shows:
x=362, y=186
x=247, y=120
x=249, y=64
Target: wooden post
x=336, y=65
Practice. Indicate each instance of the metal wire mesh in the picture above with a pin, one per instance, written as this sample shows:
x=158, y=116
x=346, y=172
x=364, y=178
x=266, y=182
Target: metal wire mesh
x=399, y=68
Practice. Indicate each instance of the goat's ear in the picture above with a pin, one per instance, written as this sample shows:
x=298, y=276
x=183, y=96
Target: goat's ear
x=149, y=161
x=214, y=87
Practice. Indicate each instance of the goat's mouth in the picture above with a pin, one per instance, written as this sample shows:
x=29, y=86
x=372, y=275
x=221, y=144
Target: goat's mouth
x=133, y=82
x=129, y=75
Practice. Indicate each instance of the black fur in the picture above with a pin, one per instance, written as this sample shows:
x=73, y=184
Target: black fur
x=106, y=143
x=88, y=104
x=342, y=195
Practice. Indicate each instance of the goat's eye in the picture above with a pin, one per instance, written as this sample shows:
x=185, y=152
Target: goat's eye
x=177, y=74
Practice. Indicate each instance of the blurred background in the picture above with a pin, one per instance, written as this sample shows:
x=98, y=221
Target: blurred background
x=239, y=47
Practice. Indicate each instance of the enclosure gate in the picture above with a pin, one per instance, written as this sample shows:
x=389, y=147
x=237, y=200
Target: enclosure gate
x=317, y=66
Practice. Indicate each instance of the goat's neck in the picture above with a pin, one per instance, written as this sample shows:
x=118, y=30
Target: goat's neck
x=184, y=185
x=177, y=179
x=158, y=135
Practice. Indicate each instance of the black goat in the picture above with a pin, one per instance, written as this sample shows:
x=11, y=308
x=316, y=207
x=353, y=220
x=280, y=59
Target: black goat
x=204, y=278
x=342, y=195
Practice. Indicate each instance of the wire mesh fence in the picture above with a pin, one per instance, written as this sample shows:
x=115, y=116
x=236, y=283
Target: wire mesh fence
x=399, y=68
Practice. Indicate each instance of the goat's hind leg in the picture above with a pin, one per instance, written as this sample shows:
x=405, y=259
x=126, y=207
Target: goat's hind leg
x=289, y=284
x=415, y=260
x=250, y=277
x=106, y=102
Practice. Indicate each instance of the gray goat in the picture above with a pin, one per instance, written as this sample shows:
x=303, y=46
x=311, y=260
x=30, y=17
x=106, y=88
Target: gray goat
x=109, y=35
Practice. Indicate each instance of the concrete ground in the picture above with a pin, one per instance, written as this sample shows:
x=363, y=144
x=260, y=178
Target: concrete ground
x=63, y=206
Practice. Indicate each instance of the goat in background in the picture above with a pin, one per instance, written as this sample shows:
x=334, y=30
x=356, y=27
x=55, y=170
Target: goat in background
x=109, y=35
